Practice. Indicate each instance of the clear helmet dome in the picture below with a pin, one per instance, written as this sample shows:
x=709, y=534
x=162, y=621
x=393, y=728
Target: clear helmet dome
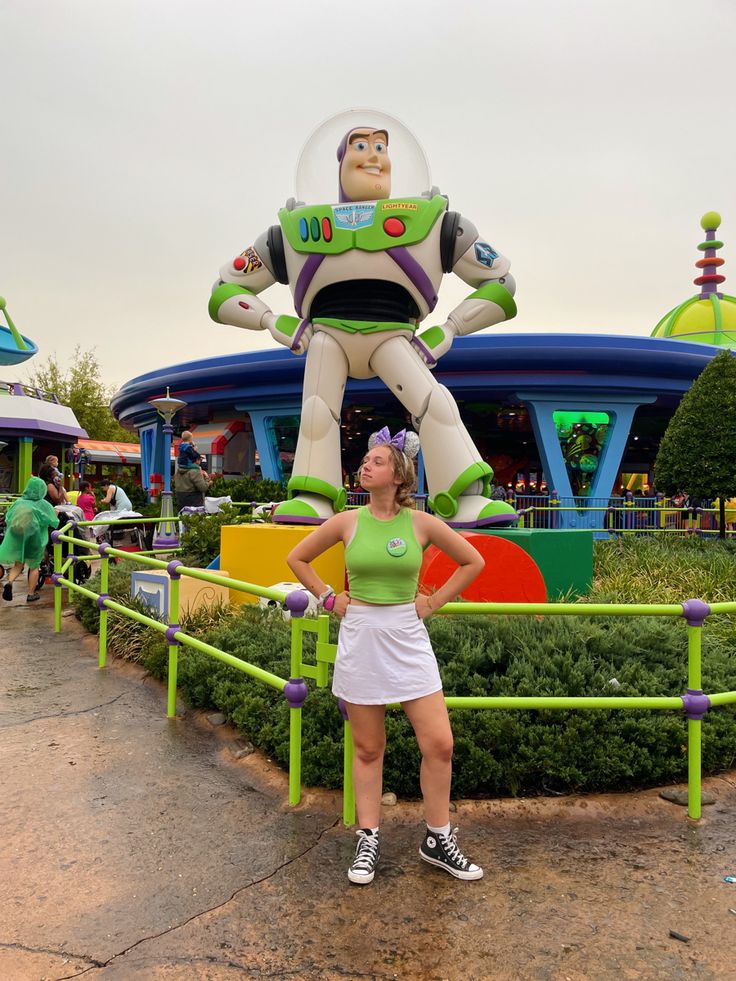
x=318, y=169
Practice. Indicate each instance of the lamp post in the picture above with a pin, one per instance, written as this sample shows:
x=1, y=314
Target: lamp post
x=166, y=532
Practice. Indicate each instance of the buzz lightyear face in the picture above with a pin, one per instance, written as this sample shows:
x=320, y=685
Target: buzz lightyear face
x=365, y=169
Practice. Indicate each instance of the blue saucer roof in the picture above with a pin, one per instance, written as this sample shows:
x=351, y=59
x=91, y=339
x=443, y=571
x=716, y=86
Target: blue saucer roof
x=476, y=367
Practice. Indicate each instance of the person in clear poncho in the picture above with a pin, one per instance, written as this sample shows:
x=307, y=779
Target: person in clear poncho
x=27, y=525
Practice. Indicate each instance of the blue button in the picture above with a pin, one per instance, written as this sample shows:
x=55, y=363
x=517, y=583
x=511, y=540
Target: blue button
x=303, y=229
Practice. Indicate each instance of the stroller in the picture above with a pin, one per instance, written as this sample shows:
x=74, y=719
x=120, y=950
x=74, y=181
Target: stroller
x=81, y=570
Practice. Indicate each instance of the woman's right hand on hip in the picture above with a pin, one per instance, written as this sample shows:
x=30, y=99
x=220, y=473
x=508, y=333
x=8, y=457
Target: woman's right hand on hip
x=342, y=602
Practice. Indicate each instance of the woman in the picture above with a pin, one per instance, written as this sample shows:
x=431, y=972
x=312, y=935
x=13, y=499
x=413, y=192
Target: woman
x=115, y=497
x=51, y=475
x=384, y=653
x=27, y=525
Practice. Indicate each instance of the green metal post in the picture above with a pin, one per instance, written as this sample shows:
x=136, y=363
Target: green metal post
x=25, y=462
x=694, y=726
x=173, y=648
x=295, y=716
x=348, y=792
x=57, y=589
x=104, y=583
x=295, y=756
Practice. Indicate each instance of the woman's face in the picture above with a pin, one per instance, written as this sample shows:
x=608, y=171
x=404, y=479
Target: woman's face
x=377, y=469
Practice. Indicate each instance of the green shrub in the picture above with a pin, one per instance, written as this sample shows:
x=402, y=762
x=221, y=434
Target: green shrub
x=248, y=489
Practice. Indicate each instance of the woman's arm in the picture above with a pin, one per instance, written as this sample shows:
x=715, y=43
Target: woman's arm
x=470, y=562
x=109, y=496
x=312, y=546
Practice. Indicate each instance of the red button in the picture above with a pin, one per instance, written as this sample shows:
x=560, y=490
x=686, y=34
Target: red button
x=394, y=227
x=326, y=230
x=239, y=262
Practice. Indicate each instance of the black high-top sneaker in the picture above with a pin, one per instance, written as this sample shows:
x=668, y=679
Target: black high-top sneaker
x=442, y=850
x=367, y=853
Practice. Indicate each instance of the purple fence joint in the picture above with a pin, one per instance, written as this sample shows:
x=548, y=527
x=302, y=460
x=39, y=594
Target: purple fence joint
x=102, y=549
x=343, y=710
x=55, y=537
x=695, y=703
x=295, y=692
x=695, y=611
x=170, y=631
x=101, y=600
x=296, y=602
x=172, y=568
x=56, y=578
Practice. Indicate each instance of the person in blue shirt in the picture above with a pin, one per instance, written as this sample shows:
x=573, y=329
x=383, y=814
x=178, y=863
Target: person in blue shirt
x=189, y=456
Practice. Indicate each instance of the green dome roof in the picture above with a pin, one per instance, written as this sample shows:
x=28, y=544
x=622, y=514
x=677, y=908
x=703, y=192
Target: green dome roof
x=709, y=316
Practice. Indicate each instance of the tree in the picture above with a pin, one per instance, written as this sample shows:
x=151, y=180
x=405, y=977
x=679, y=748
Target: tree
x=81, y=388
x=698, y=451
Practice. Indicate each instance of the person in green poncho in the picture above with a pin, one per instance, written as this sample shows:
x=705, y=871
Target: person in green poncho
x=27, y=525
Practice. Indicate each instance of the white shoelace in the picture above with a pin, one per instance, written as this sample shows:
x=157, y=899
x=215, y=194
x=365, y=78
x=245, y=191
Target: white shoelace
x=366, y=854
x=453, y=851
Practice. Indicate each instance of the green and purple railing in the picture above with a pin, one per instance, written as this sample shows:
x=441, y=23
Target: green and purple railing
x=694, y=702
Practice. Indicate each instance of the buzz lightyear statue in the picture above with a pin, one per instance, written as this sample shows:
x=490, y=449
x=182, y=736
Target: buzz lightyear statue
x=364, y=273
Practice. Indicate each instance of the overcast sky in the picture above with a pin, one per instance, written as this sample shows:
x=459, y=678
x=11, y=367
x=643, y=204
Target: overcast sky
x=146, y=142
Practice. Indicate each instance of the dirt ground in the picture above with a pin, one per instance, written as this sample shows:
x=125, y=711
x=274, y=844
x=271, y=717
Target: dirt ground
x=137, y=847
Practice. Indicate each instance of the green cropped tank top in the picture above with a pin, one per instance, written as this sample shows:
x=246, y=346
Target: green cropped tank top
x=383, y=559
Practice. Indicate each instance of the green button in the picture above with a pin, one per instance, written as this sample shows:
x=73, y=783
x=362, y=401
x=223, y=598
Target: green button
x=315, y=229
x=396, y=547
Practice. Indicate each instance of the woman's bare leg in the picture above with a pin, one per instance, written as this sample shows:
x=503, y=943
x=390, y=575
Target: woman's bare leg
x=369, y=742
x=15, y=571
x=431, y=724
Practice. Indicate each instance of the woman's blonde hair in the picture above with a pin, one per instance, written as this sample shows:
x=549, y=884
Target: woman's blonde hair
x=404, y=470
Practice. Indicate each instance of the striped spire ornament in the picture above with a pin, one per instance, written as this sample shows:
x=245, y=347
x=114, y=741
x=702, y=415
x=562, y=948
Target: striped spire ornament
x=709, y=317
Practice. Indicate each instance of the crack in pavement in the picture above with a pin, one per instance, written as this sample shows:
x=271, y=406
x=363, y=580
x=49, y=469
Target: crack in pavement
x=211, y=909
x=62, y=715
x=70, y=955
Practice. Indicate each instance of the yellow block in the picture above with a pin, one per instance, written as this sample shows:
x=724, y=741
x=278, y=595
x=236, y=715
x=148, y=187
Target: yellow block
x=257, y=554
x=151, y=586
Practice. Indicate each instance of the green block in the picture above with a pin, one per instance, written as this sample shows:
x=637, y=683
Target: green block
x=564, y=556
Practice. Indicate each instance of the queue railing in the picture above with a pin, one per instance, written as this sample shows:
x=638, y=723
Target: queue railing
x=694, y=702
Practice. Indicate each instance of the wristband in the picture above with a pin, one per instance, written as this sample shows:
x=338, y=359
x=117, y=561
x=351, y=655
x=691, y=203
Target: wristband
x=324, y=599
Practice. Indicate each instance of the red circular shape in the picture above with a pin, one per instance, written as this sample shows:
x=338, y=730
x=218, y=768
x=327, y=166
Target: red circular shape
x=394, y=227
x=239, y=262
x=713, y=278
x=326, y=230
x=511, y=575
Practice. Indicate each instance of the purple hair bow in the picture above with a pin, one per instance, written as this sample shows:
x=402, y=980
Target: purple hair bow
x=384, y=436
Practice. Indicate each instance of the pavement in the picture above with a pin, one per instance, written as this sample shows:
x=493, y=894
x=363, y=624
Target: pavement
x=138, y=847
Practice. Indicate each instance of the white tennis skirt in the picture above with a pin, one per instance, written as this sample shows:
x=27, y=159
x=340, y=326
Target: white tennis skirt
x=384, y=655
